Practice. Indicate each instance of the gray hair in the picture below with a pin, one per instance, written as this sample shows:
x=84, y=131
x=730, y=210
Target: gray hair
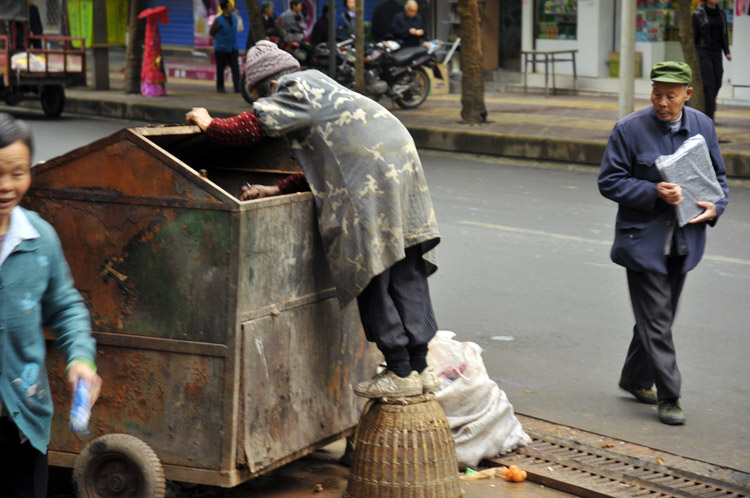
x=411, y=3
x=12, y=130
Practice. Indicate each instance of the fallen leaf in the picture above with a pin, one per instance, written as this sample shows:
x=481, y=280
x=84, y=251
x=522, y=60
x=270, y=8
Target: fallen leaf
x=660, y=461
x=528, y=391
x=608, y=445
x=318, y=488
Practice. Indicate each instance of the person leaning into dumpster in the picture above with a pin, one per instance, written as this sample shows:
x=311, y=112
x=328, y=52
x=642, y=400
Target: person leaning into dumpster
x=371, y=198
x=36, y=290
x=648, y=243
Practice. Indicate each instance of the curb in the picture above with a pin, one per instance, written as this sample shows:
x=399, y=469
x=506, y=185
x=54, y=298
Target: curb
x=498, y=144
x=544, y=149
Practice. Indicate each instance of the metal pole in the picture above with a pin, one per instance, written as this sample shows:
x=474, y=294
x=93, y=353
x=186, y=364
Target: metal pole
x=99, y=44
x=332, y=49
x=627, y=58
x=359, y=46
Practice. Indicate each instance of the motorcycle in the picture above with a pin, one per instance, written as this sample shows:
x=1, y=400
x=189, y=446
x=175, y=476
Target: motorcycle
x=390, y=71
x=395, y=72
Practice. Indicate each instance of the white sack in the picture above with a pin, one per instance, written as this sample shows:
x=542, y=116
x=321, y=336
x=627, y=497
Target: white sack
x=478, y=411
x=18, y=62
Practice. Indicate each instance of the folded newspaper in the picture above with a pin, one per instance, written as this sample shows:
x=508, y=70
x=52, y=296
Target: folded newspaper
x=691, y=168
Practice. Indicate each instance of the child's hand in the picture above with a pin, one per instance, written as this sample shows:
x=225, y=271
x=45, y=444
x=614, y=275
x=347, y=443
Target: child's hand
x=80, y=370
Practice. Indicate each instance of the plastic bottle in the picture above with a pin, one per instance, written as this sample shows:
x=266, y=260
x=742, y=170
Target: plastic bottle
x=80, y=409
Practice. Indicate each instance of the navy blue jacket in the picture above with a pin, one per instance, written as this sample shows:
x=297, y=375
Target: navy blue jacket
x=629, y=177
x=401, y=26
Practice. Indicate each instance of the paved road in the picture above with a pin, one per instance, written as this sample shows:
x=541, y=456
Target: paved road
x=525, y=273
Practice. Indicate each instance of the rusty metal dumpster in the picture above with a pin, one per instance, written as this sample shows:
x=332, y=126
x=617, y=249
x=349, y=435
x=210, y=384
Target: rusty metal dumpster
x=220, y=339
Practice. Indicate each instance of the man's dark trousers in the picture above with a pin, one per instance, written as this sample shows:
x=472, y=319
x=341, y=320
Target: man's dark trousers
x=222, y=60
x=651, y=356
x=396, y=312
x=712, y=72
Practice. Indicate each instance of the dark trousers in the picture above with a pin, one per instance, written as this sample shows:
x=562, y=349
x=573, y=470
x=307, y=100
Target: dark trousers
x=23, y=469
x=222, y=60
x=651, y=357
x=712, y=72
x=396, y=312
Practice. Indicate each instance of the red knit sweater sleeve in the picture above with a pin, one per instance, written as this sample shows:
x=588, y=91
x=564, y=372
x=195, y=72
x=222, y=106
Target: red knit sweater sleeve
x=293, y=183
x=240, y=130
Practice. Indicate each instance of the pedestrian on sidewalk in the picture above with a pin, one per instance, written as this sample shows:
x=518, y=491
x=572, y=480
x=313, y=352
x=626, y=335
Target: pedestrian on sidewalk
x=382, y=20
x=269, y=20
x=224, y=32
x=655, y=251
x=711, y=39
x=36, y=290
x=35, y=25
x=320, y=29
x=345, y=24
x=290, y=23
x=408, y=25
x=373, y=206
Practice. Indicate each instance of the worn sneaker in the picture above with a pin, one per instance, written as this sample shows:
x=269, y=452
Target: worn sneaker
x=642, y=394
x=390, y=385
x=670, y=412
x=430, y=381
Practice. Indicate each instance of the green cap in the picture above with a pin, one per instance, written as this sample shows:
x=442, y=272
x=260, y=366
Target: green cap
x=672, y=72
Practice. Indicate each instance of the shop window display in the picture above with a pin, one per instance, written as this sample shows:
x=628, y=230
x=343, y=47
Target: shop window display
x=656, y=20
x=557, y=19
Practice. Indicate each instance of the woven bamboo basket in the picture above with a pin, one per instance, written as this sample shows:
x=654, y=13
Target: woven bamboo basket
x=403, y=448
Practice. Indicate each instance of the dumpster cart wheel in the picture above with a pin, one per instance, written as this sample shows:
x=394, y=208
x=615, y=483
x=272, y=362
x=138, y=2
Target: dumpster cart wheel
x=117, y=465
x=53, y=100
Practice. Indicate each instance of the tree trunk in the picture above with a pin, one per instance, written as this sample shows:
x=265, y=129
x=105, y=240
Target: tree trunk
x=257, y=32
x=473, y=109
x=690, y=53
x=134, y=49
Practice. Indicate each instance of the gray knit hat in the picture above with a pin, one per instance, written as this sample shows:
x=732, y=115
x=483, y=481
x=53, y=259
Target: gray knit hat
x=265, y=59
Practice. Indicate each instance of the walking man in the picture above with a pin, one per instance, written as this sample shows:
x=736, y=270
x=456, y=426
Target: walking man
x=648, y=243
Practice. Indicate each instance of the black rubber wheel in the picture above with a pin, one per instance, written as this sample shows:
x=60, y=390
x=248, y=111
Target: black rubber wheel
x=245, y=91
x=419, y=85
x=53, y=100
x=118, y=465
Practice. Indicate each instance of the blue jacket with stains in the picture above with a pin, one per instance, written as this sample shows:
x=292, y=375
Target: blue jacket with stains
x=36, y=290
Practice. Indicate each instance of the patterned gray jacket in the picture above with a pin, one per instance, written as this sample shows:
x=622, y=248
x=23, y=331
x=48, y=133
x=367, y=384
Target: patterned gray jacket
x=371, y=195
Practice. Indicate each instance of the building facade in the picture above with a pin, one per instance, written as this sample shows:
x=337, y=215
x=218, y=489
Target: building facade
x=592, y=27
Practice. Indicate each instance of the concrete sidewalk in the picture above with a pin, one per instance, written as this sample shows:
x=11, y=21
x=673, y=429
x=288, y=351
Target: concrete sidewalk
x=567, y=128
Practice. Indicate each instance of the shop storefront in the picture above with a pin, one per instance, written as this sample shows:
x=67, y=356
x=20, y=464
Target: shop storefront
x=592, y=27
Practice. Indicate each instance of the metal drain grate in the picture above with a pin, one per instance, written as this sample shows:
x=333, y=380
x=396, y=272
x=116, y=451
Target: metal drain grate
x=593, y=472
